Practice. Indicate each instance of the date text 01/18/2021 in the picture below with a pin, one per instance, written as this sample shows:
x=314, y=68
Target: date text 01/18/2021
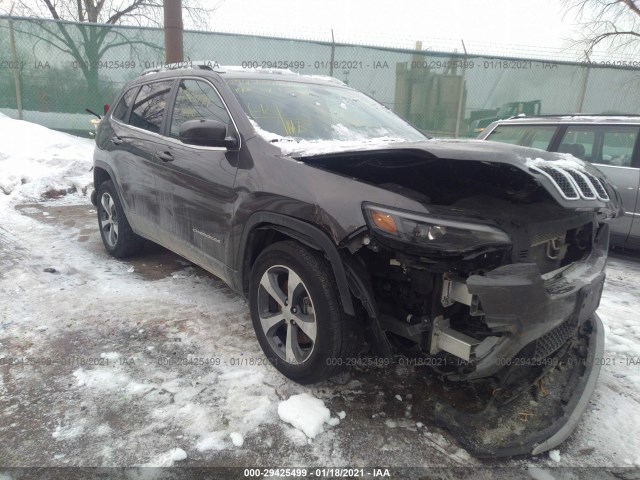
x=317, y=472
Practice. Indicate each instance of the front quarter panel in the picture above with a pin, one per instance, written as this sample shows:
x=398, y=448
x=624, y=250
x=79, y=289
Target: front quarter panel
x=279, y=184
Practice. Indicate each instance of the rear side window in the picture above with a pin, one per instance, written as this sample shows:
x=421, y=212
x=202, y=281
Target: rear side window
x=196, y=100
x=617, y=146
x=536, y=136
x=150, y=105
x=122, y=108
x=602, y=144
x=579, y=142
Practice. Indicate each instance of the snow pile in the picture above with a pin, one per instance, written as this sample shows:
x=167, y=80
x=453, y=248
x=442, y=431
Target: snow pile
x=57, y=120
x=555, y=455
x=37, y=162
x=237, y=439
x=306, y=413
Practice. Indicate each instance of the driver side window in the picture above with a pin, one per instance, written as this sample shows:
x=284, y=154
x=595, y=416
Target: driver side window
x=196, y=100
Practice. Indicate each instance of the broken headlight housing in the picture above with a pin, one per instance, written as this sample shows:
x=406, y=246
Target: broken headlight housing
x=433, y=232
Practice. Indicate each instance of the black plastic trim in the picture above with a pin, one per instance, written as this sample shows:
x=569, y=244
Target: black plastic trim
x=305, y=233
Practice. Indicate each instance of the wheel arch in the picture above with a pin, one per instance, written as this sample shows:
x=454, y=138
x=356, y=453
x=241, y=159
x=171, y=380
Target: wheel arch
x=102, y=172
x=265, y=228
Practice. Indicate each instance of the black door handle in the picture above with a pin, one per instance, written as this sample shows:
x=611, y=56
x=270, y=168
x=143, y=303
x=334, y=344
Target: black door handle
x=165, y=156
x=117, y=140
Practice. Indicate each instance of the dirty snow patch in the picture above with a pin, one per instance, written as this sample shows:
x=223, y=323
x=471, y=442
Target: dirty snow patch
x=67, y=433
x=305, y=413
x=212, y=441
x=103, y=429
x=111, y=356
x=106, y=379
x=167, y=459
x=540, y=474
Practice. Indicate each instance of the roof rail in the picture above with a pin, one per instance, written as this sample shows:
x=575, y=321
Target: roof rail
x=210, y=65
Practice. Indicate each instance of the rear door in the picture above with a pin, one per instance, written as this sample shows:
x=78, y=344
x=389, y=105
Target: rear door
x=136, y=138
x=195, y=184
x=613, y=149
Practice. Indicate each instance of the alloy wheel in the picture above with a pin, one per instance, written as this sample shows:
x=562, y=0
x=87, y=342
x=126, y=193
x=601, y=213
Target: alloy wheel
x=287, y=316
x=109, y=219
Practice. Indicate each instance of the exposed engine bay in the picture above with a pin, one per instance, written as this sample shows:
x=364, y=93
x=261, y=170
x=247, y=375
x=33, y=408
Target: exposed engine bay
x=496, y=312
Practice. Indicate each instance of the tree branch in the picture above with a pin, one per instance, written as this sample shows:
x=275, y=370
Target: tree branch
x=52, y=9
x=611, y=23
x=130, y=43
x=119, y=14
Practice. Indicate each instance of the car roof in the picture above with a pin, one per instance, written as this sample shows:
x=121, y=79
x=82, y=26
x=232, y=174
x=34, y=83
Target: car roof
x=583, y=118
x=204, y=69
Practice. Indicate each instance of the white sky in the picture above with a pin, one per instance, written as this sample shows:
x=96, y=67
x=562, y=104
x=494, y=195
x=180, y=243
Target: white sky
x=497, y=24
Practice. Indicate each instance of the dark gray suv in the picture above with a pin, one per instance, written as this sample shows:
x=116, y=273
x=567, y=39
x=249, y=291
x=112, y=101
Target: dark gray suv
x=338, y=221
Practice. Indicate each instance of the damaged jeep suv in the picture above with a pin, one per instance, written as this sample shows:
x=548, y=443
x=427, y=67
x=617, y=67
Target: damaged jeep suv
x=338, y=220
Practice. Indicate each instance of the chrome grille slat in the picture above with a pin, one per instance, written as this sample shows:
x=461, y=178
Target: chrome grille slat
x=572, y=183
x=587, y=191
x=562, y=181
x=601, y=192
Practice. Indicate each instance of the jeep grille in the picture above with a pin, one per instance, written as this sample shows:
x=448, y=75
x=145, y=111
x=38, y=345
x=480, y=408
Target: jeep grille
x=573, y=184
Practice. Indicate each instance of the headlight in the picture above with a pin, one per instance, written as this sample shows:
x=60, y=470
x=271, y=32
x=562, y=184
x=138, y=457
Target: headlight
x=432, y=232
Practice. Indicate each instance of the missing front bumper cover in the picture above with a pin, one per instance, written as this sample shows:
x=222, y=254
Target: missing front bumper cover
x=543, y=416
x=452, y=341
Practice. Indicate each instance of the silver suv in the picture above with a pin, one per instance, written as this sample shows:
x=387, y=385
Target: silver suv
x=611, y=143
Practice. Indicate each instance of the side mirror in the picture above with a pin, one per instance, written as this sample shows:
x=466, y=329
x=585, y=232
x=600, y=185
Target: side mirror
x=206, y=133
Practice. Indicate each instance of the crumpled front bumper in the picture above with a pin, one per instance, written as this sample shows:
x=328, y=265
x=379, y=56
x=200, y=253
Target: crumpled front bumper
x=525, y=306
x=503, y=432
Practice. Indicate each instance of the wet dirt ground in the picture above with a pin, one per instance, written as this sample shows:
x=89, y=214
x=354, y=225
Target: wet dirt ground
x=60, y=414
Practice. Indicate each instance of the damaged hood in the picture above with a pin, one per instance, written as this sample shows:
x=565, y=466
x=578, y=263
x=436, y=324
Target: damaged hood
x=572, y=182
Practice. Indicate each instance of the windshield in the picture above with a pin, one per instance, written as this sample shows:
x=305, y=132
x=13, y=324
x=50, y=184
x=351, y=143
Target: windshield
x=311, y=112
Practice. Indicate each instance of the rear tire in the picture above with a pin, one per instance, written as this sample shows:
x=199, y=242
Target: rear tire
x=297, y=315
x=117, y=236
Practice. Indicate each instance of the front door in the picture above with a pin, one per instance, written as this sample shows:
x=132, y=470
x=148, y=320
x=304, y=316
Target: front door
x=195, y=184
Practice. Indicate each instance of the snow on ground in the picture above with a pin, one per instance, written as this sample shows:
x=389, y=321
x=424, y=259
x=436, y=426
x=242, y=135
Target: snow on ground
x=36, y=161
x=151, y=361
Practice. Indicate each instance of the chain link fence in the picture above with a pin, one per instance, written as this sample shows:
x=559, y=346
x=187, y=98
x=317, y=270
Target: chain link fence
x=51, y=71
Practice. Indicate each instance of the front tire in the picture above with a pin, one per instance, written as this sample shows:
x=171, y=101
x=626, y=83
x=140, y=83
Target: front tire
x=297, y=315
x=117, y=236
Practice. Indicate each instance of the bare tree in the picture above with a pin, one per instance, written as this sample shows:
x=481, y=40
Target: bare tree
x=87, y=43
x=111, y=12
x=613, y=25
